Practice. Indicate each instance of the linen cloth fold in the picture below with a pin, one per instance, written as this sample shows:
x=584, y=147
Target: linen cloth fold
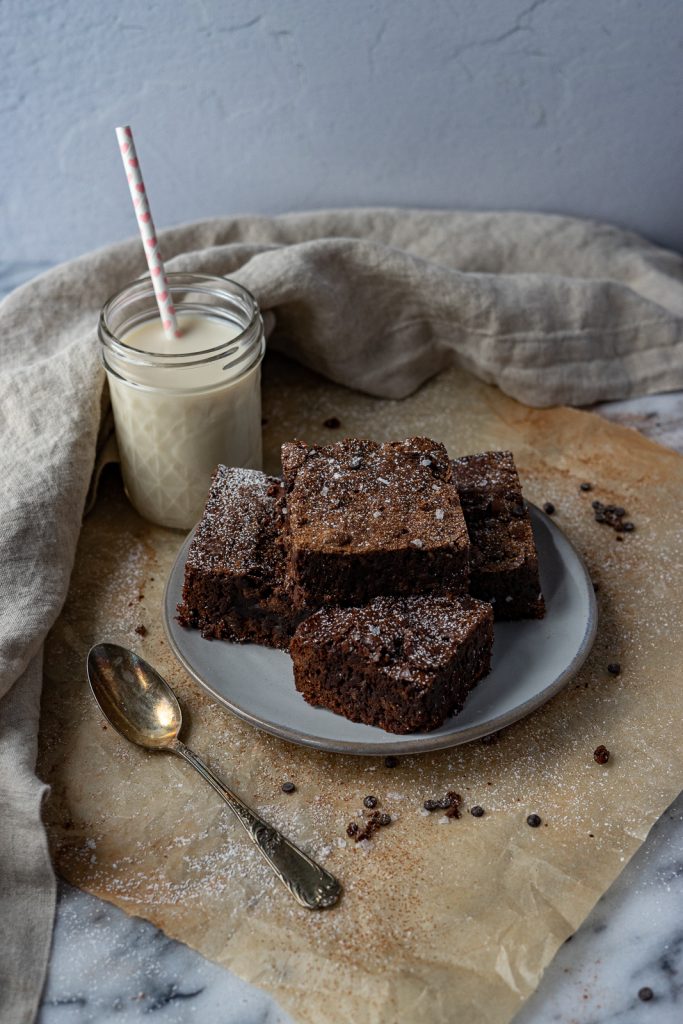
x=551, y=309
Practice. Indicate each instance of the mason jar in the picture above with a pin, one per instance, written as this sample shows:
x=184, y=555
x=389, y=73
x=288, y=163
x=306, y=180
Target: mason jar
x=181, y=406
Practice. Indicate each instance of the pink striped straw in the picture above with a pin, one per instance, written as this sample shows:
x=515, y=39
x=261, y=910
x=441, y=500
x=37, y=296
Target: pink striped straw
x=149, y=238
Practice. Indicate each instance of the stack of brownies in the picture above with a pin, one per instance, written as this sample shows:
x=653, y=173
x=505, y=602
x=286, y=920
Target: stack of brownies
x=380, y=567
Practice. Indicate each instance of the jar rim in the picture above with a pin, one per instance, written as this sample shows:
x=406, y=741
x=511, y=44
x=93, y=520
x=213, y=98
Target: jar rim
x=178, y=279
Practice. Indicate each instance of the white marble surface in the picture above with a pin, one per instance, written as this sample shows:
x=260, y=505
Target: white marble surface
x=107, y=967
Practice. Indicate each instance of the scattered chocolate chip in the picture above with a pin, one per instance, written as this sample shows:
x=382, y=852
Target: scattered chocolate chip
x=628, y=527
x=390, y=761
x=585, y=486
x=492, y=737
x=548, y=508
x=533, y=821
x=141, y=630
x=332, y=423
x=598, y=505
x=618, y=511
x=431, y=805
x=619, y=537
x=352, y=829
x=288, y=787
x=356, y=462
x=477, y=811
x=385, y=819
x=601, y=754
x=645, y=994
x=370, y=801
x=614, y=668
x=600, y=517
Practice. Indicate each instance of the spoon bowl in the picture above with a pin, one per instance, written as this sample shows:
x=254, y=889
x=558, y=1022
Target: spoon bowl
x=133, y=697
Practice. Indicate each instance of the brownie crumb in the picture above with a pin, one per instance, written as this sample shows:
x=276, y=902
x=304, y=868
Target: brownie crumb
x=141, y=630
x=533, y=821
x=585, y=486
x=370, y=801
x=288, y=787
x=477, y=811
x=614, y=668
x=548, y=508
x=601, y=754
x=645, y=994
x=332, y=423
x=374, y=822
x=390, y=761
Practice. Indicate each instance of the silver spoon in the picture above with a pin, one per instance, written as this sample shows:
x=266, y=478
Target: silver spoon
x=141, y=705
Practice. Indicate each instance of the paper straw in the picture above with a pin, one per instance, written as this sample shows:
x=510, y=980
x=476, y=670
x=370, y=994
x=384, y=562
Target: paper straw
x=143, y=213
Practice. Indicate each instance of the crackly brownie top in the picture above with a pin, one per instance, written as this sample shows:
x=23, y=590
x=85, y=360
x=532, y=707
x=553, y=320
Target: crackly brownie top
x=488, y=485
x=501, y=545
x=237, y=532
x=407, y=638
x=359, y=495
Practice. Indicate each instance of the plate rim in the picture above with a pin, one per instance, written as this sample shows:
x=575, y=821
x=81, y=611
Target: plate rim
x=423, y=743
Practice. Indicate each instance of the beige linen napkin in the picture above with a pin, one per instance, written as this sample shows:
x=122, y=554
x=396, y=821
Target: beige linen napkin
x=552, y=309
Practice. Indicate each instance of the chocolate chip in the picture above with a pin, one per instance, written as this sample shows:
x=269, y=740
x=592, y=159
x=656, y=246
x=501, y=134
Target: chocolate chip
x=597, y=505
x=628, y=527
x=384, y=819
x=432, y=805
x=477, y=811
x=390, y=761
x=533, y=821
x=586, y=486
x=596, y=587
x=141, y=630
x=600, y=517
x=352, y=829
x=549, y=508
x=645, y=994
x=492, y=737
x=619, y=537
x=332, y=423
x=288, y=787
x=614, y=668
x=618, y=511
x=370, y=801
x=601, y=754
x=356, y=462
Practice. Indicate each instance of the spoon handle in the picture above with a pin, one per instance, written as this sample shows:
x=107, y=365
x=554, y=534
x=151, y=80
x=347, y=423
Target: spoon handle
x=310, y=884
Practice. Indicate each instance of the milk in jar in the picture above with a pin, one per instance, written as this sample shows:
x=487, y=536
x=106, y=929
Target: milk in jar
x=181, y=406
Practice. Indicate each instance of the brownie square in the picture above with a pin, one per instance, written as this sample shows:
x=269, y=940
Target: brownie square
x=235, y=584
x=365, y=519
x=503, y=557
x=402, y=664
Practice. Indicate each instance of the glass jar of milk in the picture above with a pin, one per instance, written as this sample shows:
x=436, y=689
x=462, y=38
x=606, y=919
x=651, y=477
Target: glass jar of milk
x=182, y=406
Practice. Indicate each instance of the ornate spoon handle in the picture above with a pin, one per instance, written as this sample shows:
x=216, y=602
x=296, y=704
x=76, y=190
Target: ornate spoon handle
x=310, y=884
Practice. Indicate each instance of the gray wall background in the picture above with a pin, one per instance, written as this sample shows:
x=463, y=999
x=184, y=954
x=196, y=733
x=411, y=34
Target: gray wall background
x=265, y=106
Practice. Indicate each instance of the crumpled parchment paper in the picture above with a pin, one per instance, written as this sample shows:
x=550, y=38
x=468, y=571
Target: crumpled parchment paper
x=441, y=920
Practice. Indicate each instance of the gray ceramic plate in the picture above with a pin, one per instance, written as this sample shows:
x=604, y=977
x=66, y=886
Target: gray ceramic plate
x=532, y=661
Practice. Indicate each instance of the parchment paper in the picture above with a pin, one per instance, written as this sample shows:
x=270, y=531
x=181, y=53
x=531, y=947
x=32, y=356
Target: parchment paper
x=440, y=921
